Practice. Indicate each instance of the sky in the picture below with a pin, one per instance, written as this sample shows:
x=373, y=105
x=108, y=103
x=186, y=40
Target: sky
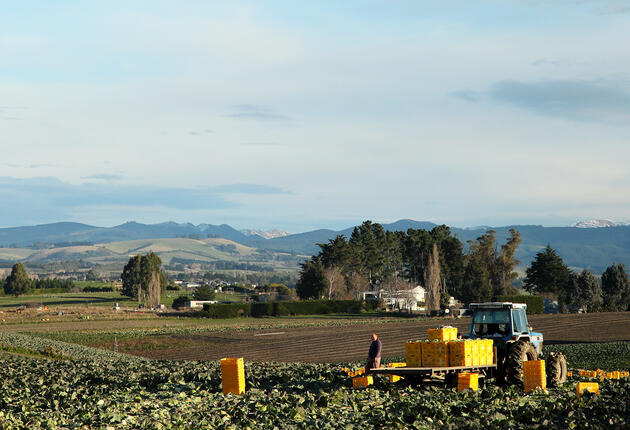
x=301, y=115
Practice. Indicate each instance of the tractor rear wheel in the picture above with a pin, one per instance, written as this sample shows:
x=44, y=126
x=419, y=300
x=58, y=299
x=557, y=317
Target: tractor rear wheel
x=556, y=369
x=519, y=352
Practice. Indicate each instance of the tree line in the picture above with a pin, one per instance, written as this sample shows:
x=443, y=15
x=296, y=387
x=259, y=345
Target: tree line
x=18, y=282
x=373, y=259
x=548, y=274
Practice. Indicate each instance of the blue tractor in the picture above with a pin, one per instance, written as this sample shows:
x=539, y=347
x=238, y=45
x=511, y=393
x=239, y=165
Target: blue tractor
x=515, y=341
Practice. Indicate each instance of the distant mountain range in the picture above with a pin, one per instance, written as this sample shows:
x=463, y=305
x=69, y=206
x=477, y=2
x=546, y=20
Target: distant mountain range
x=596, y=223
x=581, y=246
x=269, y=234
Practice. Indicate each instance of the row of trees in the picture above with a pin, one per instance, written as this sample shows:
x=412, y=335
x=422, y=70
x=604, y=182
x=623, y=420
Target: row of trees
x=18, y=282
x=549, y=275
x=375, y=259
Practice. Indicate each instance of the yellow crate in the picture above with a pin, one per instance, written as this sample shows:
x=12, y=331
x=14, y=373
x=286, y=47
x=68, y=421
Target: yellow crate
x=413, y=354
x=592, y=387
x=588, y=373
x=488, y=347
x=362, y=381
x=476, y=353
x=460, y=353
x=569, y=374
x=625, y=374
x=534, y=375
x=396, y=364
x=233, y=375
x=443, y=334
x=395, y=378
x=435, y=354
x=467, y=381
x=358, y=372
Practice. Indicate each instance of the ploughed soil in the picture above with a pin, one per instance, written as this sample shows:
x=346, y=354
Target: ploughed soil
x=351, y=342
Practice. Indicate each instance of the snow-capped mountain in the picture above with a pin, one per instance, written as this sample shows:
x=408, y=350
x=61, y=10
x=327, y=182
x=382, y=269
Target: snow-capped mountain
x=269, y=234
x=596, y=223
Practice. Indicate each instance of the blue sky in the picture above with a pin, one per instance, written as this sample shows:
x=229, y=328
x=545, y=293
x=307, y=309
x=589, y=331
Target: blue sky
x=303, y=115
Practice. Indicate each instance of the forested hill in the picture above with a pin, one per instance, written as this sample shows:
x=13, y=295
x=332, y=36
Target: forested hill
x=592, y=248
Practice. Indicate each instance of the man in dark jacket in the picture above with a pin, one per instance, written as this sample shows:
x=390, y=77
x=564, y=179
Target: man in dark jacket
x=374, y=355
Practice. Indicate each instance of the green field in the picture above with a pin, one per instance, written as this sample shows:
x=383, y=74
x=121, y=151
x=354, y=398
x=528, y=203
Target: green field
x=70, y=386
x=63, y=300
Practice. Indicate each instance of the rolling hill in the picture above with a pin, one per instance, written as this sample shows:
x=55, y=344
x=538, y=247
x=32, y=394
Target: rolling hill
x=592, y=248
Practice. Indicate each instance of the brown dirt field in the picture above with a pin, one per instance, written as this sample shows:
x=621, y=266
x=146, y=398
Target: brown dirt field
x=350, y=343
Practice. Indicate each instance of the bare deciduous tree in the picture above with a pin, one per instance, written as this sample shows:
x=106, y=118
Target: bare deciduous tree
x=336, y=282
x=432, y=281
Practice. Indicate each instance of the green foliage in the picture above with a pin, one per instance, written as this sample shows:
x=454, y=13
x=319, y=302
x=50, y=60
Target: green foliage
x=92, y=275
x=101, y=389
x=547, y=273
x=18, y=282
x=607, y=356
x=103, y=289
x=227, y=310
x=143, y=279
x=180, y=301
x=373, y=258
x=58, y=284
x=204, y=292
x=535, y=304
x=616, y=288
x=376, y=259
x=312, y=284
x=302, y=307
x=583, y=292
x=489, y=273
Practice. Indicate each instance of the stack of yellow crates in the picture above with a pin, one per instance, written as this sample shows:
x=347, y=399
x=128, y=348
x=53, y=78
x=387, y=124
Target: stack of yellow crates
x=443, y=334
x=588, y=373
x=435, y=354
x=233, y=375
x=413, y=354
x=534, y=375
x=460, y=353
x=477, y=352
x=362, y=381
x=467, y=381
x=625, y=374
x=592, y=387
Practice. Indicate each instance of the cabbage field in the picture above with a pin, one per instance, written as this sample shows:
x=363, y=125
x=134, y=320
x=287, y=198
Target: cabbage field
x=91, y=388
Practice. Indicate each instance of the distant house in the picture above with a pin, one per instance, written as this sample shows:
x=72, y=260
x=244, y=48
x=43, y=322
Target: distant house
x=199, y=303
x=399, y=299
x=191, y=285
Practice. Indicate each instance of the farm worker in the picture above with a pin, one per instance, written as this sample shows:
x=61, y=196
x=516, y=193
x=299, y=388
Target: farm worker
x=374, y=355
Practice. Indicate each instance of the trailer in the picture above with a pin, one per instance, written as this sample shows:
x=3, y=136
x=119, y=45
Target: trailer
x=447, y=375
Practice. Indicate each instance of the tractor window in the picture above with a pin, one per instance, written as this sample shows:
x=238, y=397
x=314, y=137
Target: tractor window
x=520, y=322
x=491, y=322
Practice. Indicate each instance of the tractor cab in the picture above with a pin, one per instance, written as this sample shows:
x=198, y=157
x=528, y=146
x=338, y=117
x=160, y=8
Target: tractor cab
x=504, y=323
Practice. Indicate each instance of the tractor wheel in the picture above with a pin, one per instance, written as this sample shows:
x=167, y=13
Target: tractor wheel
x=519, y=352
x=556, y=368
